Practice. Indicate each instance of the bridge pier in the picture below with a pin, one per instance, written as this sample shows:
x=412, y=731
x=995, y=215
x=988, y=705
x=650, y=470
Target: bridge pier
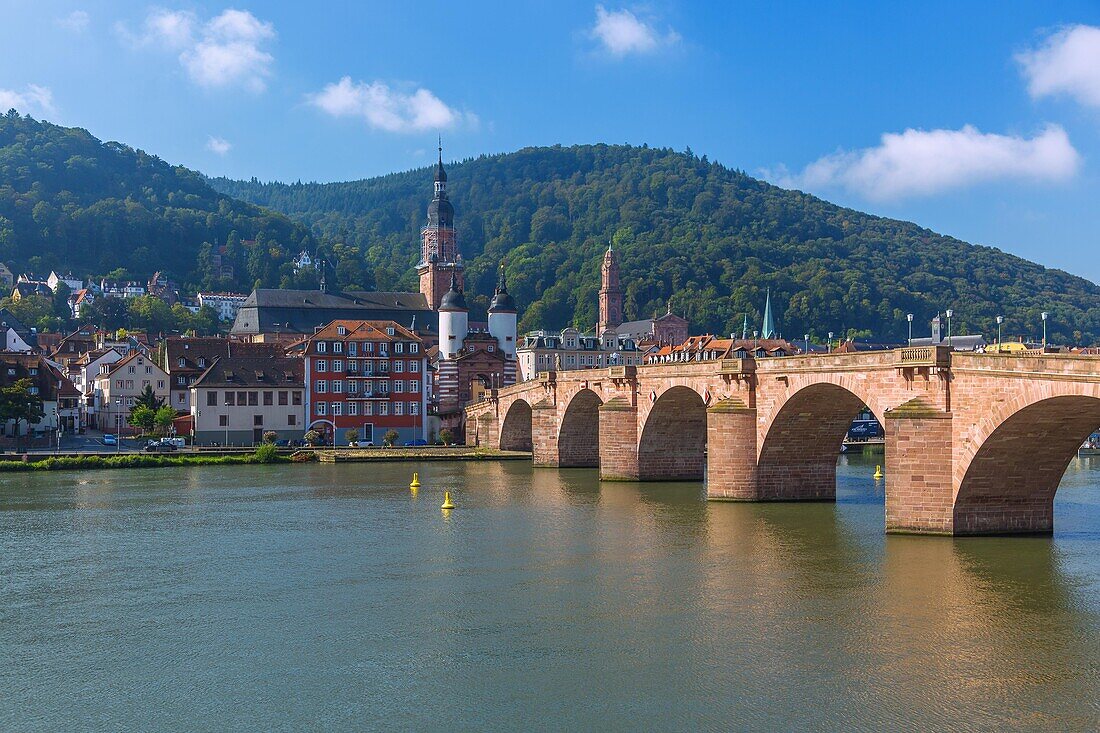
x=485, y=432
x=919, y=486
x=731, y=452
x=618, y=440
x=544, y=434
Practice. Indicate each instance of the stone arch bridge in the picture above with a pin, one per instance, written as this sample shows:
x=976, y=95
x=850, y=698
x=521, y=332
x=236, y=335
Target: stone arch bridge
x=975, y=443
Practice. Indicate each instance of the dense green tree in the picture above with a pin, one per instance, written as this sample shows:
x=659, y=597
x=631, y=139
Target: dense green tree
x=712, y=238
x=72, y=202
x=142, y=417
x=149, y=399
x=35, y=311
x=162, y=419
x=18, y=402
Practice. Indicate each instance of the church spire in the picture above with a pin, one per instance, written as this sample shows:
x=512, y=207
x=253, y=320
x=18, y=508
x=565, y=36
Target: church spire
x=768, y=329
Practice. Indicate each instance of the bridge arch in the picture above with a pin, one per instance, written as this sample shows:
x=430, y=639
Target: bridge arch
x=801, y=444
x=579, y=435
x=1008, y=484
x=673, y=441
x=515, y=430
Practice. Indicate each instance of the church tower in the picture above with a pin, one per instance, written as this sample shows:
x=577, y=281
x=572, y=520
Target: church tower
x=611, y=294
x=439, y=257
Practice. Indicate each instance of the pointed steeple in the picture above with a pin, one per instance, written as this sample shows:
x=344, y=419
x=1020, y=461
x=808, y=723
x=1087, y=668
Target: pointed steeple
x=767, y=331
x=745, y=328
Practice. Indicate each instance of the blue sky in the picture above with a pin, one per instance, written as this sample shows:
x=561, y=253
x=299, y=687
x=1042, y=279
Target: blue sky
x=979, y=120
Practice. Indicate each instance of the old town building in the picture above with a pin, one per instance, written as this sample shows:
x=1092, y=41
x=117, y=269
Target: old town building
x=369, y=377
x=185, y=358
x=60, y=399
x=546, y=351
x=119, y=385
x=238, y=398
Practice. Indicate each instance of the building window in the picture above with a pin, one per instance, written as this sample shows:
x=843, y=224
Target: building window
x=337, y=347
x=399, y=385
x=290, y=419
x=322, y=408
x=182, y=362
x=202, y=362
x=414, y=348
x=283, y=398
x=368, y=348
x=229, y=399
x=322, y=365
x=132, y=370
x=253, y=399
x=414, y=385
x=297, y=398
x=414, y=366
x=338, y=385
x=352, y=348
x=160, y=384
x=490, y=347
x=414, y=408
x=368, y=409
x=223, y=421
x=337, y=408
x=269, y=398
x=211, y=399
x=399, y=348
x=181, y=397
x=321, y=386
x=337, y=365
x=258, y=421
x=242, y=398
x=33, y=390
x=321, y=347
x=353, y=408
x=383, y=408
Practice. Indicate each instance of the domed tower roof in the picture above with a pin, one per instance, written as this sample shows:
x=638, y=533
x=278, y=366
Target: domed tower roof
x=502, y=302
x=440, y=211
x=453, y=299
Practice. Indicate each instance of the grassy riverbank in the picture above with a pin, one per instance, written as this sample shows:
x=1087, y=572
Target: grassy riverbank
x=263, y=454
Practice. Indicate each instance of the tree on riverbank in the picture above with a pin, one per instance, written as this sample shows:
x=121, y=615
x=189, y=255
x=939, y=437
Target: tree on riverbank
x=19, y=403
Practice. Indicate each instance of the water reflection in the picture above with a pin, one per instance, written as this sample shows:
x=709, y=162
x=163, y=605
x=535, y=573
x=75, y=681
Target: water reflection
x=332, y=597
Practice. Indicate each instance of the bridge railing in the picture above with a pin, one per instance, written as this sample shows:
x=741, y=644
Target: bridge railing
x=924, y=356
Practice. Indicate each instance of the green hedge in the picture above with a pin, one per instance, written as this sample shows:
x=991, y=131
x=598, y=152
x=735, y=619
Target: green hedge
x=61, y=463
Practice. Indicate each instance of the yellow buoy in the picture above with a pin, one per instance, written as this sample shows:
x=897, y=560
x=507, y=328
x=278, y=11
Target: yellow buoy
x=447, y=501
x=878, y=472
x=415, y=482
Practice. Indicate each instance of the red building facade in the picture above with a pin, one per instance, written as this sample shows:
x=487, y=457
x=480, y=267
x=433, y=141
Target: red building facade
x=367, y=376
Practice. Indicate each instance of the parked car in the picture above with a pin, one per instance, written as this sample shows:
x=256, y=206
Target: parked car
x=176, y=441
x=110, y=440
x=415, y=443
x=159, y=446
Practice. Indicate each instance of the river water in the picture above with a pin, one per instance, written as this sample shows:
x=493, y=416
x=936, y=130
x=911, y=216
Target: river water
x=330, y=598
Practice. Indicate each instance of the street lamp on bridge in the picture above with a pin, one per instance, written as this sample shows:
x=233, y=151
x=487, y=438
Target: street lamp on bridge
x=909, y=317
x=1000, y=320
x=806, y=338
x=1044, y=315
x=830, y=342
x=949, y=314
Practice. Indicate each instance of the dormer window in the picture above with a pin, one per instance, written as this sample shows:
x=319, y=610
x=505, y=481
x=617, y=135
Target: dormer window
x=182, y=362
x=202, y=362
x=389, y=331
x=342, y=330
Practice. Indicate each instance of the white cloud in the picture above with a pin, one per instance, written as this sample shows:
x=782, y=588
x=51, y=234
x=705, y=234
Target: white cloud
x=225, y=51
x=926, y=162
x=218, y=145
x=621, y=32
x=389, y=109
x=34, y=100
x=1068, y=62
x=76, y=21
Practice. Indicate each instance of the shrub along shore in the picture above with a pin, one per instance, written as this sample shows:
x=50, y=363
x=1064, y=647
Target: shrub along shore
x=264, y=454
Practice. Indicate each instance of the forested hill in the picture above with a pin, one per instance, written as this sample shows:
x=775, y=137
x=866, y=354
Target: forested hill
x=711, y=238
x=71, y=202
